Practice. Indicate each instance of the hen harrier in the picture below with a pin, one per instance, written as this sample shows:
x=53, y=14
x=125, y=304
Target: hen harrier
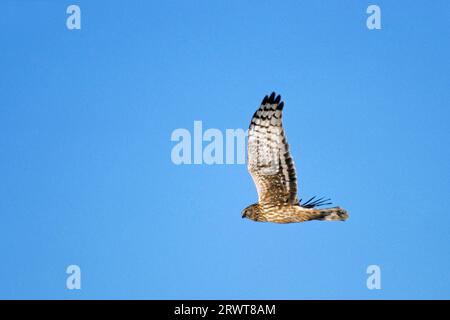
x=272, y=169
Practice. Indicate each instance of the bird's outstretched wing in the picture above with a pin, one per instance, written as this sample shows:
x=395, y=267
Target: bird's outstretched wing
x=269, y=160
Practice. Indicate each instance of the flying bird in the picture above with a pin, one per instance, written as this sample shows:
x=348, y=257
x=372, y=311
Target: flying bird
x=273, y=171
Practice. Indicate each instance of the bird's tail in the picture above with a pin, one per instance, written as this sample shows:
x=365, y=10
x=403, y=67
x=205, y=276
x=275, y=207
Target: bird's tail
x=331, y=214
x=302, y=214
x=327, y=214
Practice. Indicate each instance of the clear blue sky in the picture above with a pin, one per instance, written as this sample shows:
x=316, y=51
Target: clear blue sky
x=86, y=176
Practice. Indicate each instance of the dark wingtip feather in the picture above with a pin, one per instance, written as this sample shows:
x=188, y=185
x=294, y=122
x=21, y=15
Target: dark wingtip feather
x=272, y=97
x=265, y=100
x=307, y=204
x=277, y=99
x=311, y=203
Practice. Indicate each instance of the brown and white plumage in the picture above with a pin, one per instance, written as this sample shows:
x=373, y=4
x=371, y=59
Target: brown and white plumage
x=272, y=168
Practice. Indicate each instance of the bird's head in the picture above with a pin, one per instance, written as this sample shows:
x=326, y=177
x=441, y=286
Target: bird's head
x=251, y=212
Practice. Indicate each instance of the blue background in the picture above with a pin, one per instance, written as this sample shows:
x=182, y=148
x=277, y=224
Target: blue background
x=86, y=176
